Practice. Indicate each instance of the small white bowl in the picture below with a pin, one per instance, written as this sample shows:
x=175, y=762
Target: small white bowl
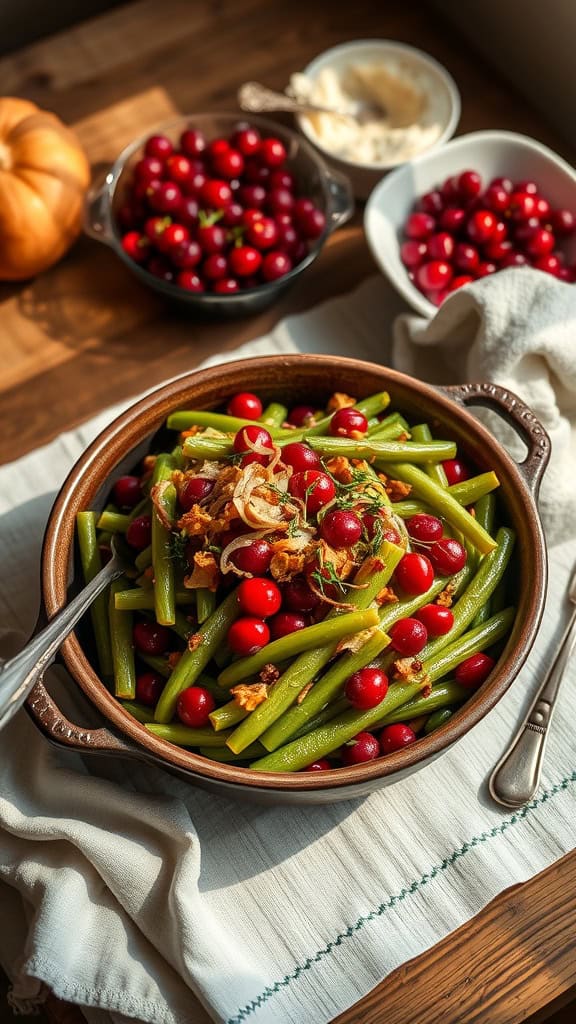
x=492, y=154
x=364, y=176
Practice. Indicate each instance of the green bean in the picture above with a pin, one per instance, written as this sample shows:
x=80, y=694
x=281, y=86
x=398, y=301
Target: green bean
x=421, y=432
x=444, y=504
x=394, y=419
x=205, y=603
x=178, y=456
x=482, y=586
x=325, y=632
x=141, y=508
x=326, y=689
x=142, y=714
x=141, y=599
x=391, y=432
x=484, y=511
x=437, y=718
x=199, y=447
x=336, y=707
x=225, y=756
x=442, y=662
x=383, y=451
x=113, y=522
x=302, y=752
x=211, y=635
x=468, y=492
x=91, y=566
x=408, y=508
x=224, y=655
x=403, y=609
x=143, y=559
x=162, y=560
x=441, y=696
x=182, y=625
x=371, y=406
x=156, y=663
x=375, y=572
x=274, y=415
x=104, y=539
x=186, y=418
x=227, y=715
x=121, y=647
x=183, y=736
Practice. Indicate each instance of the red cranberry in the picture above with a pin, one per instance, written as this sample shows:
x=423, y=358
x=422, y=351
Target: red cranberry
x=275, y=265
x=500, y=232
x=188, y=211
x=449, y=190
x=542, y=207
x=366, y=688
x=193, y=142
x=496, y=198
x=485, y=267
x=438, y=620
x=285, y=623
x=229, y=164
x=456, y=471
x=166, y=198
x=481, y=226
x=280, y=200
x=216, y=194
x=194, y=490
x=515, y=259
x=253, y=438
x=247, y=140
x=408, y=636
x=472, y=672
x=254, y=557
x=563, y=222
x=215, y=267
x=139, y=532
x=281, y=178
x=322, y=765
x=300, y=457
x=298, y=597
x=441, y=246
x=424, y=527
x=171, y=237
x=452, y=219
x=233, y=215
x=149, y=686
x=150, y=638
x=412, y=253
x=127, y=491
x=245, y=405
x=433, y=276
x=527, y=186
x=414, y=573
x=550, y=264
x=245, y=260
x=448, y=556
x=160, y=268
x=395, y=737
x=498, y=251
x=226, y=286
x=262, y=233
x=459, y=282
x=364, y=747
x=541, y=243
x=341, y=528
x=522, y=205
x=259, y=596
x=348, y=422
x=420, y=226
x=300, y=415
x=256, y=174
x=252, y=196
x=469, y=184
x=194, y=184
x=431, y=202
x=311, y=224
x=136, y=246
x=158, y=146
x=186, y=255
x=248, y=635
x=314, y=488
x=466, y=257
x=194, y=706
x=272, y=152
x=504, y=183
x=148, y=168
x=375, y=528
x=178, y=168
x=211, y=238
x=289, y=241
x=190, y=281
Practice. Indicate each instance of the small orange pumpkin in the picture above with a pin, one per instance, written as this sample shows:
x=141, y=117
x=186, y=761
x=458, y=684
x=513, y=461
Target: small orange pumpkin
x=44, y=174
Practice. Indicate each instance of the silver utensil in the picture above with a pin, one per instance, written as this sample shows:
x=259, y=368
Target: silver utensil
x=19, y=675
x=257, y=98
x=516, y=777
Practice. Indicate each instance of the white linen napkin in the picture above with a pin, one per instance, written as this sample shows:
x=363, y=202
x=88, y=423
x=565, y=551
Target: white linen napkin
x=122, y=888
x=518, y=329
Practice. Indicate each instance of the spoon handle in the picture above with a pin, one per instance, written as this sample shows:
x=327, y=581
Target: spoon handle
x=19, y=675
x=516, y=777
x=257, y=98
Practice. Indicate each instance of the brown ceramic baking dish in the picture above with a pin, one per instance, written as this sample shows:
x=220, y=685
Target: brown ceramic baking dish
x=291, y=379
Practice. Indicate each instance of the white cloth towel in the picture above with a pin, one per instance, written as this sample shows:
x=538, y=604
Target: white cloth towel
x=518, y=329
x=123, y=888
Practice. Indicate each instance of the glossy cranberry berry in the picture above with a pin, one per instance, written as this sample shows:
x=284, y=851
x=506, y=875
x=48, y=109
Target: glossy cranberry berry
x=413, y=253
x=248, y=635
x=366, y=688
x=469, y=184
x=420, y=226
x=440, y=246
x=452, y=219
x=136, y=246
x=348, y=422
x=408, y=636
x=312, y=487
x=415, y=573
x=322, y=765
x=247, y=140
x=193, y=142
x=194, y=707
x=245, y=405
x=150, y=638
x=245, y=261
x=448, y=556
x=300, y=457
x=301, y=415
x=472, y=672
x=139, y=532
x=434, y=275
x=466, y=257
x=127, y=491
x=285, y=623
x=195, y=490
x=424, y=527
x=481, y=226
x=395, y=737
x=438, y=620
x=275, y=265
x=253, y=440
x=272, y=152
x=297, y=596
x=149, y=686
x=259, y=596
x=253, y=557
x=190, y=281
x=341, y=528
x=456, y=470
x=158, y=146
x=364, y=747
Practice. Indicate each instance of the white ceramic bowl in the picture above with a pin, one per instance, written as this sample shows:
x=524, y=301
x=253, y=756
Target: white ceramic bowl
x=492, y=154
x=365, y=176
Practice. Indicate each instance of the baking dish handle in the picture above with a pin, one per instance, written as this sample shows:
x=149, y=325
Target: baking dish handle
x=95, y=220
x=57, y=728
x=517, y=414
x=341, y=199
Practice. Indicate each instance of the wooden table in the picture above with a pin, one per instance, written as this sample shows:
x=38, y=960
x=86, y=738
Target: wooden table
x=87, y=334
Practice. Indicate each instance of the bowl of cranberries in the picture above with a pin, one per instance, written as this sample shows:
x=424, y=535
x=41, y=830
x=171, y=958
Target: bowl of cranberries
x=484, y=203
x=217, y=213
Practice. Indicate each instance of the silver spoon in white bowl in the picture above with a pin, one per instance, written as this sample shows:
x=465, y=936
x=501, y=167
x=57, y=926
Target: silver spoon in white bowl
x=256, y=99
x=19, y=675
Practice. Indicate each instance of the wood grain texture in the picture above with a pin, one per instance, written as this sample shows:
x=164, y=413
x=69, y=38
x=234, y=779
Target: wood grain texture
x=87, y=334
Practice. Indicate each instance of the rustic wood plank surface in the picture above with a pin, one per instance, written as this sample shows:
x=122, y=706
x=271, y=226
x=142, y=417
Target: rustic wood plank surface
x=87, y=334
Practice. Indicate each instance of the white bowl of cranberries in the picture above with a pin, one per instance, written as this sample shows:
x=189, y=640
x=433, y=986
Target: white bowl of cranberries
x=483, y=203
x=219, y=213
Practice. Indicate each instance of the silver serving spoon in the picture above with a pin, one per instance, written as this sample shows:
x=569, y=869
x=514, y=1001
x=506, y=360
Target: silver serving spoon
x=257, y=98
x=19, y=675
x=516, y=777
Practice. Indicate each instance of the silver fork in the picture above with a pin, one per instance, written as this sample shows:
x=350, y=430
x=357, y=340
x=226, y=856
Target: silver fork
x=516, y=777
x=19, y=675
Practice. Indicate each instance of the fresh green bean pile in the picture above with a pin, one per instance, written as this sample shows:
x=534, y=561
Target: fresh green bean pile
x=311, y=588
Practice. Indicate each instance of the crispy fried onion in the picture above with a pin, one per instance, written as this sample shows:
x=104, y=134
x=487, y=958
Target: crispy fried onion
x=249, y=695
x=356, y=641
x=244, y=541
x=334, y=565
x=157, y=493
x=205, y=572
x=259, y=497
